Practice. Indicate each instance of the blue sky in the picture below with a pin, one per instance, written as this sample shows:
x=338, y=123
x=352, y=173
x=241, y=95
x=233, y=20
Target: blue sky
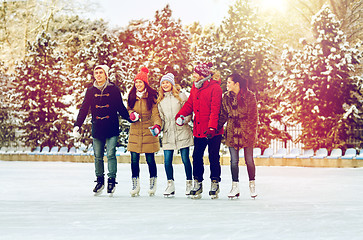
x=120, y=12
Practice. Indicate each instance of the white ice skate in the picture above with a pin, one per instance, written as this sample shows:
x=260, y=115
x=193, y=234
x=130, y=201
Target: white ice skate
x=189, y=187
x=214, y=189
x=253, y=189
x=196, y=192
x=135, y=187
x=170, y=189
x=152, y=189
x=234, y=193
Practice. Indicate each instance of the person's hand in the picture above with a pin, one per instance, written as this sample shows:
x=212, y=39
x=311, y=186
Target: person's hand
x=211, y=132
x=76, y=133
x=179, y=120
x=155, y=130
x=134, y=117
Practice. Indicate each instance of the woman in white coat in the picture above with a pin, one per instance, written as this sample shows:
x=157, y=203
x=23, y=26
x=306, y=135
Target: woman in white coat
x=175, y=137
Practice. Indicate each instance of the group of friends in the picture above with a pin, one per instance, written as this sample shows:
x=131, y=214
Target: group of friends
x=169, y=110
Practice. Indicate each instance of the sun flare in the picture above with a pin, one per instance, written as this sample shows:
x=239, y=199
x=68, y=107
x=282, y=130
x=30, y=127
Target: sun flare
x=279, y=5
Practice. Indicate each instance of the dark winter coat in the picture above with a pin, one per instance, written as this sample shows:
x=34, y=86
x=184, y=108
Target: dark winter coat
x=205, y=102
x=105, y=106
x=140, y=138
x=240, y=113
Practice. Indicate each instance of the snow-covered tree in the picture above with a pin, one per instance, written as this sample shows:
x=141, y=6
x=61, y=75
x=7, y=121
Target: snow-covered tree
x=164, y=46
x=242, y=44
x=318, y=87
x=41, y=89
x=7, y=125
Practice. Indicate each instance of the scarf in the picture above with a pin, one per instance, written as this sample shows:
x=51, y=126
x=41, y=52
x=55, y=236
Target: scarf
x=140, y=94
x=199, y=84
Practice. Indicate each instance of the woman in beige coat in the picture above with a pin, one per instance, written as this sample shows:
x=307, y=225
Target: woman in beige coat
x=144, y=130
x=175, y=137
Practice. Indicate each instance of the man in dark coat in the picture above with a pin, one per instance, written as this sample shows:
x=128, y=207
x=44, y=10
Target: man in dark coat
x=105, y=101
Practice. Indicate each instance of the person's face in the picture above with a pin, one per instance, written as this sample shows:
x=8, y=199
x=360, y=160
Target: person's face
x=232, y=86
x=166, y=86
x=197, y=77
x=100, y=76
x=139, y=85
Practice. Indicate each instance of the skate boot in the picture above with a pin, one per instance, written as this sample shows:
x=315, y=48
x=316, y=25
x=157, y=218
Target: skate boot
x=135, y=187
x=152, y=189
x=111, y=186
x=170, y=189
x=214, y=189
x=196, y=192
x=99, y=186
x=234, y=193
x=189, y=187
x=253, y=189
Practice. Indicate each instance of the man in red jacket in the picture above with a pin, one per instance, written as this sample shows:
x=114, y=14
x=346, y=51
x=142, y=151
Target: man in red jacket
x=205, y=102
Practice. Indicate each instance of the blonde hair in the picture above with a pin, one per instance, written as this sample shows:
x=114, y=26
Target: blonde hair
x=175, y=89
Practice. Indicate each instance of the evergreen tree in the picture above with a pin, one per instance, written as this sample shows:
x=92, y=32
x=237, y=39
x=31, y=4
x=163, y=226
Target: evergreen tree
x=41, y=89
x=318, y=88
x=7, y=125
x=242, y=44
x=165, y=48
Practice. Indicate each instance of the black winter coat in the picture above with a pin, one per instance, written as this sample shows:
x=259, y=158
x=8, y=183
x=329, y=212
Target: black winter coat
x=105, y=106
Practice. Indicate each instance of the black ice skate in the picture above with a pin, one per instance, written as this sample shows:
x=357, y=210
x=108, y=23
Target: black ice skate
x=214, y=189
x=111, y=186
x=99, y=186
x=196, y=192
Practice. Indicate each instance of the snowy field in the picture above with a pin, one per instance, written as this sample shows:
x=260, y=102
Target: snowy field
x=54, y=200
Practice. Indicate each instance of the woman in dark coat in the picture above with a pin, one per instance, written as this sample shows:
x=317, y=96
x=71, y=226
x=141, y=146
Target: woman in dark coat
x=239, y=110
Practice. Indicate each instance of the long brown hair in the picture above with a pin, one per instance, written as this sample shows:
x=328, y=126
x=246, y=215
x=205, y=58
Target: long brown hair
x=151, y=97
x=175, y=91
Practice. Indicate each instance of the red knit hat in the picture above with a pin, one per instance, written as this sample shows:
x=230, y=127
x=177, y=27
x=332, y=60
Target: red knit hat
x=203, y=69
x=142, y=75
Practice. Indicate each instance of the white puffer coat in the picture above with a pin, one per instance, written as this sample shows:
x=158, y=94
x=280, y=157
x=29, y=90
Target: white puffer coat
x=174, y=136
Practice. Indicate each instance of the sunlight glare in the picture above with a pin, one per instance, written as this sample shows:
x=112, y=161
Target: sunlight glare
x=279, y=5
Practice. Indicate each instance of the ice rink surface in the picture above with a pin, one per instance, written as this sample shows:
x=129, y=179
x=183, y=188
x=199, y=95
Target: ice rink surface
x=54, y=200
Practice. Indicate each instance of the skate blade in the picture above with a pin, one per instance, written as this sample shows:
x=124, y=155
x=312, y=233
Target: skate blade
x=135, y=195
x=214, y=196
x=110, y=194
x=97, y=193
x=254, y=196
x=169, y=194
x=151, y=194
x=197, y=196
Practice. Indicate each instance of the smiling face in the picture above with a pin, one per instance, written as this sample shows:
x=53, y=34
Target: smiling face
x=166, y=86
x=139, y=85
x=197, y=77
x=100, y=76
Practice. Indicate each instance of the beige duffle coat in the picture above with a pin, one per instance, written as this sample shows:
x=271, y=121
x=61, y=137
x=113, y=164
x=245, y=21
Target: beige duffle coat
x=174, y=136
x=140, y=138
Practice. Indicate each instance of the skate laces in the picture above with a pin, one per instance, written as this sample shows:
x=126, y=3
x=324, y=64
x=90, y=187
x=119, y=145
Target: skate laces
x=214, y=186
x=134, y=183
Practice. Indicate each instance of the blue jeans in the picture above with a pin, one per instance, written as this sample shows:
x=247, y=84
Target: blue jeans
x=135, y=166
x=168, y=163
x=251, y=169
x=99, y=151
x=200, y=145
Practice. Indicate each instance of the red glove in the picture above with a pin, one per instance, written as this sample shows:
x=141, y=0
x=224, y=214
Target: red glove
x=155, y=130
x=211, y=132
x=134, y=116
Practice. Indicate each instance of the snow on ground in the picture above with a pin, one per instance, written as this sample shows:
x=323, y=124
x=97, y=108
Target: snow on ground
x=54, y=200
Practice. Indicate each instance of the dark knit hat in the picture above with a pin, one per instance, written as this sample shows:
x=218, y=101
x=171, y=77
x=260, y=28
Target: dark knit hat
x=143, y=75
x=203, y=69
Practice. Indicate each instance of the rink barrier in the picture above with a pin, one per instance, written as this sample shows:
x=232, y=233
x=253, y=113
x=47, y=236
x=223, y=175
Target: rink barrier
x=224, y=159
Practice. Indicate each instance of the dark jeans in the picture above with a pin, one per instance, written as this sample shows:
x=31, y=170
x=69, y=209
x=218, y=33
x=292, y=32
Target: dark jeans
x=200, y=145
x=168, y=163
x=135, y=166
x=251, y=169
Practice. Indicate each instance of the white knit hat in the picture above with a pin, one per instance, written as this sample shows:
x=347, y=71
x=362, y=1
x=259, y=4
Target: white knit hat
x=168, y=77
x=105, y=68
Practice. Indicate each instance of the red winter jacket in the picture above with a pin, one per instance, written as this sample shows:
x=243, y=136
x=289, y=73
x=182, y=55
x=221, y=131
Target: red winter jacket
x=205, y=103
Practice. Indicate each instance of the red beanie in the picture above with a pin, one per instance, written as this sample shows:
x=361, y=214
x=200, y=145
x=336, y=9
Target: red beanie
x=142, y=75
x=203, y=69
